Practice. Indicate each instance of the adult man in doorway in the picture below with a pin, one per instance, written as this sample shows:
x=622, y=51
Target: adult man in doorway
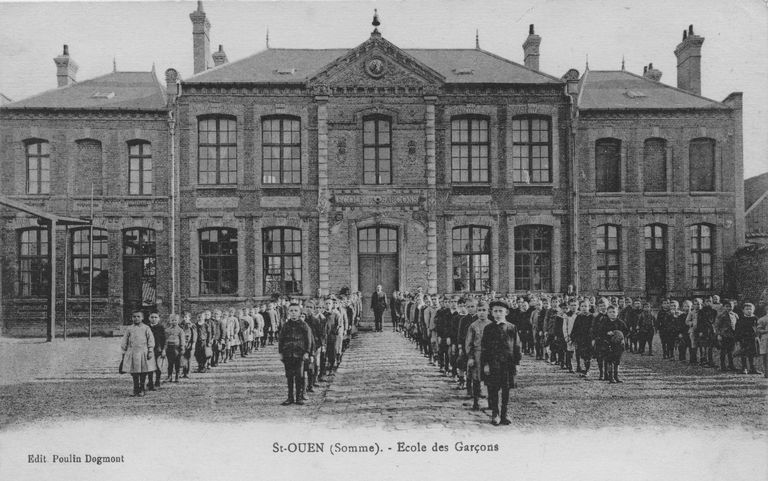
x=378, y=306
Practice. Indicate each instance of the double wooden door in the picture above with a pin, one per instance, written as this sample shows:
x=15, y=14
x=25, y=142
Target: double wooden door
x=377, y=264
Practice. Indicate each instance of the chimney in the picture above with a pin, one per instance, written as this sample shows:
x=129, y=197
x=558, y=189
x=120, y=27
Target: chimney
x=201, y=43
x=66, y=68
x=220, y=58
x=651, y=73
x=171, y=84
x=688, y=54
x=531, y=49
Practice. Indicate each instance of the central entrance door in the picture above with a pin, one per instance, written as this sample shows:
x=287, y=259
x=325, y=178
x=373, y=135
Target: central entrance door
x=139, y=273
x=655, y=263
x=377, y=263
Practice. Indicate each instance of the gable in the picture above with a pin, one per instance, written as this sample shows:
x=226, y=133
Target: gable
x=376, y=63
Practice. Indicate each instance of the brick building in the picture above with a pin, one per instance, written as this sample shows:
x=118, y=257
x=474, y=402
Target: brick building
x=304, y=172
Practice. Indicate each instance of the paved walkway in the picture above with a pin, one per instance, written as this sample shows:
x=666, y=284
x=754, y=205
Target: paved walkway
x=384, y=381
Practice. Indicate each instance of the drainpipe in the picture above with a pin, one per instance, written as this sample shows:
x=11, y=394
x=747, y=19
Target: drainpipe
x=172, y=132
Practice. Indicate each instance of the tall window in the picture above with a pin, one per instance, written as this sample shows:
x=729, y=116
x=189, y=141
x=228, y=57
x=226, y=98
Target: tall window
x=608, y=165
x=531, y=150
x=218, y=262
x=533, y=258
x=377, y=151
x=140, y=168
x=281, y=150
x=282, y=260
x=471, y=259
x=34, y=263
x=655, y=165
x=82, y=271
x=38, y=167
x=470, y=148
x=701, y=165
x=217, y=150
x=701, y=256
x=608, y=253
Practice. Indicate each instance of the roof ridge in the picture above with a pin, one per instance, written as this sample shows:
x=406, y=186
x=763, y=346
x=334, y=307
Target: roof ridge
x=627, y=72
x=512, y=62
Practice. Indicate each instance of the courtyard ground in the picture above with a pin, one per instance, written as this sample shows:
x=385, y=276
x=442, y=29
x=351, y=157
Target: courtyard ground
x=383, y=382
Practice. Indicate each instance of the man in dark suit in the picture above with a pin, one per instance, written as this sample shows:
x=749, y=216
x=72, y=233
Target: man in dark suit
x=378, y=305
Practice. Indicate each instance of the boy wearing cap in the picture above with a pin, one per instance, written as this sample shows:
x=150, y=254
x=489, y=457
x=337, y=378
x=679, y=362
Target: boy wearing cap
x=473, y=346
x=293, y=346
x=499, y=354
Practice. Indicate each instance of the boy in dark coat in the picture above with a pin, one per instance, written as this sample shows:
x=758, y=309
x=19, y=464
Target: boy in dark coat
x=158, y=331
x=600, y=326
x=499, y=356
x=581, y=336
x=646, y=328
x=615, y=339
x=294, y=344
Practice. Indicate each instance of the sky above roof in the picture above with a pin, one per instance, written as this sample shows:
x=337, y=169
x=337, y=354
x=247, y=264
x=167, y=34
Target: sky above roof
x=138, y=34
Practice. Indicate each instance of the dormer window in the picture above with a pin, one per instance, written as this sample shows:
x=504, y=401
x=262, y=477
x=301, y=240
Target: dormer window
x=103, y=95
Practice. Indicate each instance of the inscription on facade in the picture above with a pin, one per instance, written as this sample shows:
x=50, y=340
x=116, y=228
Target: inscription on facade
x=373, y=200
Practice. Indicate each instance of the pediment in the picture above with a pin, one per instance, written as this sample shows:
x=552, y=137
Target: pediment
x=376, y=63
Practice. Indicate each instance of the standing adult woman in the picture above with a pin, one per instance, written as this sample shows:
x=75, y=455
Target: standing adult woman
x=138, y=344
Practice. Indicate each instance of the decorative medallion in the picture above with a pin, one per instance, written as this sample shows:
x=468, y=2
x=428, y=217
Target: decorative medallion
x=375, y=67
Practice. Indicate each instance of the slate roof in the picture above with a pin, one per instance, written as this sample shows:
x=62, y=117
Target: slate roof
x=754, y=188
x=114, y=91
x=619, y=89
x=298, y=65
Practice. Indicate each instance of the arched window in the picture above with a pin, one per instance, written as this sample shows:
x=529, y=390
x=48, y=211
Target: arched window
x=531, y=149
x=281, y=150
x=281, y=248
x=533, y=258
x=471, y=259
x=701, y=256
x=38, y=166
x=608, y=165
x=701, y=165
x=655, y=165
x=218, y=262
x=34, y=263
x=83, y=273
x=217, y=150
x=470, y=147
x=608, y=255
x=377, y=150
x=139, y=168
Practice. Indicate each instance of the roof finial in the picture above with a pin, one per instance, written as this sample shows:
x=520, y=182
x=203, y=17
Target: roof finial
x=477, y=39
x=114, y=64
x=587, y=66
x=200, y=6
x=267, y=37
x=153, y=67
x=375, y=21
x=622, y=62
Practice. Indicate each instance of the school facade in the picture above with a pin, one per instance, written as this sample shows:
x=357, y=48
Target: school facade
x=306, y=172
